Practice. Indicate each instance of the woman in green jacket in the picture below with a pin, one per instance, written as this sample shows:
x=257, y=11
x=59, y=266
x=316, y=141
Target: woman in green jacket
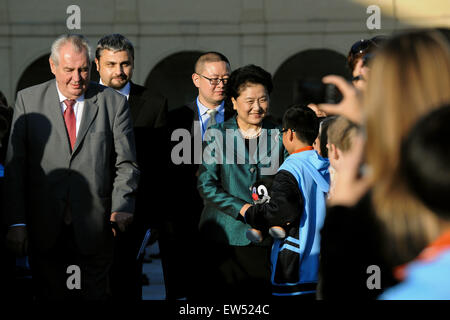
x=236, y=154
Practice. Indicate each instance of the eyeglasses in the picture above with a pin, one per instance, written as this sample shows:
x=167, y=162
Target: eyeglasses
x=285, y=130
x=215, y=81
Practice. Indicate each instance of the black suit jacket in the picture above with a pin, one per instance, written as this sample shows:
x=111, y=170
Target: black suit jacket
x=149, y=116
x=148, y=108
x=186, y=205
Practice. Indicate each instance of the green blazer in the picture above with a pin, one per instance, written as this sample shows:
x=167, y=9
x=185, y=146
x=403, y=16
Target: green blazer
x=224, y=183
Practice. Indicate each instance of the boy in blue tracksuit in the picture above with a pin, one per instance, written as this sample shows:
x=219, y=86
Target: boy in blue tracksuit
x=297, y=203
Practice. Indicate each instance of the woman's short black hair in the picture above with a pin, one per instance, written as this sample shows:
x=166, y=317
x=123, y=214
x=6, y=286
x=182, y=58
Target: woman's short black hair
x=303, y=121
x=249, y=74
x=425, y=160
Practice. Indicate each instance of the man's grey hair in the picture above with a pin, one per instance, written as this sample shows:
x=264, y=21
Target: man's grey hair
x=78, y=41
x=114, y=42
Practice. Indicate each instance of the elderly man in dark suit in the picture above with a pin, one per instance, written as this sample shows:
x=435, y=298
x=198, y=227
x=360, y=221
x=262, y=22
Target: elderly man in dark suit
x=115, y=64
x=70, y=171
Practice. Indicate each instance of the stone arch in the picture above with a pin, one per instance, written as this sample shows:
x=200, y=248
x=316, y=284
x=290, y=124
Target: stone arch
x=302, y=67
x=37, y=72
x=172, y=78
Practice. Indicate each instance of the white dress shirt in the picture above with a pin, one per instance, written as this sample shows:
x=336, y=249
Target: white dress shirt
x=125, y=91
x=204, y=116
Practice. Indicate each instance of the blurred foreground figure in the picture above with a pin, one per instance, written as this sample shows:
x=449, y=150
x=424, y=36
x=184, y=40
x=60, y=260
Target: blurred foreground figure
x=386, y=226
x=426, y=167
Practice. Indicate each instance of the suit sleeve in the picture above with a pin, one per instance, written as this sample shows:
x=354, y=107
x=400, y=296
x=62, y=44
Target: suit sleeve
x=210, y=185
x=15, y=170
x=285, y=205
x=127, y=172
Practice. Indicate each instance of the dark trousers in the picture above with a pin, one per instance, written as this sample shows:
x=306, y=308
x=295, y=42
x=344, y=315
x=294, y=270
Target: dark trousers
x=55, y=279
x=178, y=245
x=126, y=271
x=234, y=272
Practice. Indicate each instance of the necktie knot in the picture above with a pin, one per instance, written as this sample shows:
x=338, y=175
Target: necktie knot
x=212, y=117
x=69, y=103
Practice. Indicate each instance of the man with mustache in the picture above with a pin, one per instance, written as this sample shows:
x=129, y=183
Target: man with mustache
x=115, y=64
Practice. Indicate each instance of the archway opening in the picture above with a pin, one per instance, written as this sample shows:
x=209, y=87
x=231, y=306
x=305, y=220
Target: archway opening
x=172, y=77
x=298, y=71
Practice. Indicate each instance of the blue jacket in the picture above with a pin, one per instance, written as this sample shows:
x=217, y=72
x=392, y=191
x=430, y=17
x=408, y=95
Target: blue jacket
x=311, y=173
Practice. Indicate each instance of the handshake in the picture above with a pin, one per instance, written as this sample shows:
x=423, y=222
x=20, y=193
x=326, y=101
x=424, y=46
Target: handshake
x=260, y=195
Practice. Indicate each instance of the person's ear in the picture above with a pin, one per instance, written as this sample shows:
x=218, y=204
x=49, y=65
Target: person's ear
x=52, y=65
x=333, y=152
x=291, y=135
x=97, y=63
x=234, y=102
x=339, y=153
x=196, y=79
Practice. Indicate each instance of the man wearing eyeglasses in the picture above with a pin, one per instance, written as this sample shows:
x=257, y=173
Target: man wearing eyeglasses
x=178, y=238
x=210, y=77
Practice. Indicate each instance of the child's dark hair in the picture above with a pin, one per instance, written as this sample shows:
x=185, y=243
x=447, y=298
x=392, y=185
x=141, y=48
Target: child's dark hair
x=425, y=160
x=303, y=121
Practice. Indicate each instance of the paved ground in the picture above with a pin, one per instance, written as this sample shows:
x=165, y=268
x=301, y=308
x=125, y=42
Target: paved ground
x=153, y=270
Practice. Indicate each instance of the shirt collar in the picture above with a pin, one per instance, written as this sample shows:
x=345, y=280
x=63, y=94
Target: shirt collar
x=203, y=109
x=125, y=91
x=62, y=97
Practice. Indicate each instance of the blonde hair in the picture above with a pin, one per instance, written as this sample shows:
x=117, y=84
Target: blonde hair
x=409, y=77
x=341, y=133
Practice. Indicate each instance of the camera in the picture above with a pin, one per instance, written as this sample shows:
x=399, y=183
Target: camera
x=315, y=91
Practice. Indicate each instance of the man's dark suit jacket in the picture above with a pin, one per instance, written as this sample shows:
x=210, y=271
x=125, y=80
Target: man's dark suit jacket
x=149, y=116
x=184, y=181
x=179, y=237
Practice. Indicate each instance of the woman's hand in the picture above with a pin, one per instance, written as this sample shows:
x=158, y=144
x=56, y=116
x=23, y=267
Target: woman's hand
x=350, y=106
